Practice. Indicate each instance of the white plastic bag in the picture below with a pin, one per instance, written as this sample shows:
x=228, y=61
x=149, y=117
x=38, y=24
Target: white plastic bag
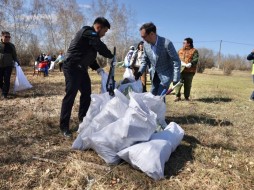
x=156, y=105
x=137, y=124
x=150, y=157
x=21, y=82
x=104, y=78
x=52, y=66
x=128, y=74
x=101, y=112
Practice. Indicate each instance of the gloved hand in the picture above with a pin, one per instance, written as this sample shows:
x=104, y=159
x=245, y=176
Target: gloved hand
x=183, y=64
x=188, y=65
x=100, y=71
x=138, y=75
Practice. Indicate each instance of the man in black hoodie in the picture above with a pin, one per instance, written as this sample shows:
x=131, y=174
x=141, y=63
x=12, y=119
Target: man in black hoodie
x=82, y=54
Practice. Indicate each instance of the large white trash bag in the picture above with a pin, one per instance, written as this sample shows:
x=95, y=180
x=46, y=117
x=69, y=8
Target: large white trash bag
x=137, y=124
x=150, y=157
x=52, y=66
x=97, y=118
x=21, y=82
x=98, y=101
x=156, y=104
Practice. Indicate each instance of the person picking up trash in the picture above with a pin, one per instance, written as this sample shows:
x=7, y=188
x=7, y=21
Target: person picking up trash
x=162, y=57
x=80, y=55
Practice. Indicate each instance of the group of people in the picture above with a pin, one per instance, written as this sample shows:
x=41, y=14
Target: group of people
x=47, y=63
x=154, y=52
x=157, y=53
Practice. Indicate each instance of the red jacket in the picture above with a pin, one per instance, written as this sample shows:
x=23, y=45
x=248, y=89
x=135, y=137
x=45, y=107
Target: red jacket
x=42, y=64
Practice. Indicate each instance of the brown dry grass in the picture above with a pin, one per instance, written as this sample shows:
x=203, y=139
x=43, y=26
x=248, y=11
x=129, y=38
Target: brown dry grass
x=216, y=152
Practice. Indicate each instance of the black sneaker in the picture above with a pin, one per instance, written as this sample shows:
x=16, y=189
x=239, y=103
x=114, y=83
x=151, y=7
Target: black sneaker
x=67, y=133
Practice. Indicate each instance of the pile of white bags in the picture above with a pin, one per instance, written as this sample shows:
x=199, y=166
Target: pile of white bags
x=124, y=128
x=150, y=157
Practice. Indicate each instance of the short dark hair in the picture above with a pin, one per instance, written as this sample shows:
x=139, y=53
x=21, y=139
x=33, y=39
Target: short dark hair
x=5, y=33
x=149, y=27
x=101, y=20
x=189, y=41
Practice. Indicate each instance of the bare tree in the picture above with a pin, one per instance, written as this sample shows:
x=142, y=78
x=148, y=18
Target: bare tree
x=19, y=17
x=61, y=21
x=122, y=21
x=206, y=59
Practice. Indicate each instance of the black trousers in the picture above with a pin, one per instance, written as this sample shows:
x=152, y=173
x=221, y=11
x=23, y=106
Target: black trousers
x=5, y=78
x=60, y=66
x=75, y=80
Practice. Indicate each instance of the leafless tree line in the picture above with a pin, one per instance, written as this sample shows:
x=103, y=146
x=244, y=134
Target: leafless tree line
x=209, y=59
x=48, y=26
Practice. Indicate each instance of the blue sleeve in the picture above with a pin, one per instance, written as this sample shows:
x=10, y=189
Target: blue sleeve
x=176, y=61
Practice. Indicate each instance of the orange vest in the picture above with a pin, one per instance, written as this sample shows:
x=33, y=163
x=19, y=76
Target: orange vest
x=186, y=56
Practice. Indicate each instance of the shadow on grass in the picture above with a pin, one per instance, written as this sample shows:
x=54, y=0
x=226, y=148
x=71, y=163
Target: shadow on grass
x=214, y=99
x=196, y=119
x=182, y=155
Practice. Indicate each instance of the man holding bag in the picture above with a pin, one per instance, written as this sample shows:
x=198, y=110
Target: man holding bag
x=8, y=56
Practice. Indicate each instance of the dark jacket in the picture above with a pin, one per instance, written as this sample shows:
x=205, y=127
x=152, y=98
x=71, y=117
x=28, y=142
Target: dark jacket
x=83, y=49
x=7, y=54
x=250, y=56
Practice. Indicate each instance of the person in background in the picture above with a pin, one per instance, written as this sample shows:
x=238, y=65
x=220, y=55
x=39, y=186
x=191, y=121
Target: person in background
x=189, y=59
x=43, y=66
x=128, y=56
x=162, y=57
x=48, y=57
x=59, y=60
x=40, y=58
x=8, y=57
x=135, y=63
x=80, y=55
x=251, y=57
x=53, y=58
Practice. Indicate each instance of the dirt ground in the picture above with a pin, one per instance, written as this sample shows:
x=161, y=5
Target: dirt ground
x=216, y=152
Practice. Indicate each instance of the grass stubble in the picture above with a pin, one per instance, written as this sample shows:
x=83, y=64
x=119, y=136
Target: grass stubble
x=216, y=152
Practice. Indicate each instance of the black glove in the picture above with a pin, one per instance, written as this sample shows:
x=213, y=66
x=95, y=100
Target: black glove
x=174, y=83
x=138, y=75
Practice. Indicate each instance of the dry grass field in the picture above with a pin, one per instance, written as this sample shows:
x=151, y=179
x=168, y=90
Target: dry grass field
x=216, y=152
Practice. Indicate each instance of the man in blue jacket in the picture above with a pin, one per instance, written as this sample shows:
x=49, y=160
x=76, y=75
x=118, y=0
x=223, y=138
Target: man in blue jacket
x=161, y=56
x=82, y=54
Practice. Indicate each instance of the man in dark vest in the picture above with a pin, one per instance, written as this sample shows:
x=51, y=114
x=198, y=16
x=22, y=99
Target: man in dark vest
x=82, y=54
